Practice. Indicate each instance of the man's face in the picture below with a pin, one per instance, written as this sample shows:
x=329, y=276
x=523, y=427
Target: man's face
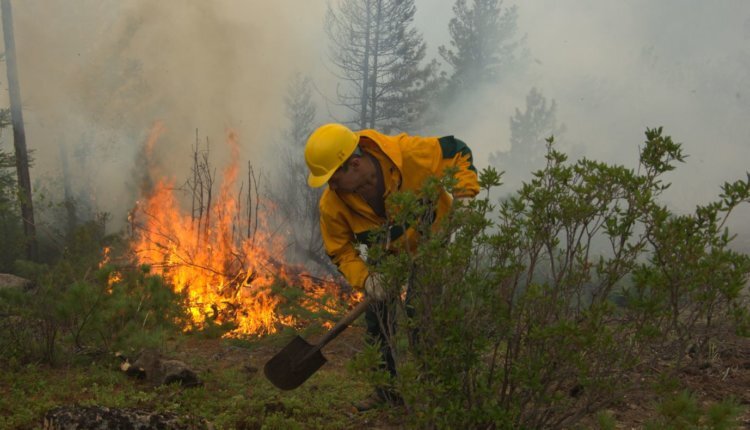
x=348, y=177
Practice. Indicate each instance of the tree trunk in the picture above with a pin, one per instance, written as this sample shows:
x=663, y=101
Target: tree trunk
x=375, y=71
x=365, y=72
x=19, y=134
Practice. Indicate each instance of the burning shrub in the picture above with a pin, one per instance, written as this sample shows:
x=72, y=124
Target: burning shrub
x=222, y=253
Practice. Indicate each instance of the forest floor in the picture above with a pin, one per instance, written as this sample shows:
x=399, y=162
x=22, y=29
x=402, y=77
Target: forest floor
x=235, y=393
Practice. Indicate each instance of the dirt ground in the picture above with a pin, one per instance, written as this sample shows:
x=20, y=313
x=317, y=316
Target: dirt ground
x=727, y=374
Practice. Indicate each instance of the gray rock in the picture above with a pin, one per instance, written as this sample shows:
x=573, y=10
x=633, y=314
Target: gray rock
x=12, y=281
x=157, y=370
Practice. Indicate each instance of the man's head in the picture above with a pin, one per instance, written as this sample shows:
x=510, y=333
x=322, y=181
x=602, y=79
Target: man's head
x=351, y=175
x=331, y=153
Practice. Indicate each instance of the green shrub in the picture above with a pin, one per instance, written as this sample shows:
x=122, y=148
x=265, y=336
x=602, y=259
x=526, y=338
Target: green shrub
x=96, y=312
x=692, y=280
x=724, y=415
x=309, y=311
x=534, y=312
x=606, y=421
x=683, y=411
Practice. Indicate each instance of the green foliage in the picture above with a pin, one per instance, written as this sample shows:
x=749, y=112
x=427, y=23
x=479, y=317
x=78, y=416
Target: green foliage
x=308, y=311
x=368, y=366
x=516, y=318
x=682, y=411
x=724, y=415
x=606, y=421
x=101, y=310
x=692, y=280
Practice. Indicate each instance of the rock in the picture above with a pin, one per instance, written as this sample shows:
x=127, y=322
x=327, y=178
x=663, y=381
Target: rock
x=157, y=370
x=101, y=417
x=12, y=281
x=177, y=371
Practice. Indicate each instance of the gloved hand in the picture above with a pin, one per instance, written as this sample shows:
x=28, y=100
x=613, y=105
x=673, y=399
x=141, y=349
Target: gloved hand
x=459, y=204
x=462, y=202
x=374, y=288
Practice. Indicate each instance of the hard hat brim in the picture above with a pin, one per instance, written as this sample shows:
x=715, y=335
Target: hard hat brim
x=319, y=181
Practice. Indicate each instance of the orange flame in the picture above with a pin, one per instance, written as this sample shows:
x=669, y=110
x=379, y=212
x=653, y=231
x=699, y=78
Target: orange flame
x=114, y=276
x=226, y=277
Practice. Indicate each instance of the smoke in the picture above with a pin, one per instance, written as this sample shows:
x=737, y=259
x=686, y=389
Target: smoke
x=615, y=68
x=97, y=75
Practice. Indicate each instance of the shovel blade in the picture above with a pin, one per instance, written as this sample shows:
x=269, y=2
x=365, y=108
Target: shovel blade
x=294, y=364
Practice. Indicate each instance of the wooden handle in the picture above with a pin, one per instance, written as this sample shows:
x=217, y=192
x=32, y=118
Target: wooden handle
x=344, y=323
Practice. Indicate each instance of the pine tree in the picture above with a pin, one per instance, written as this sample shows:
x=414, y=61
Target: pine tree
x=528, y=133
x=297, y=202
x=300, y=110
x=483, y=43
x=19, y=134
x=379, y=56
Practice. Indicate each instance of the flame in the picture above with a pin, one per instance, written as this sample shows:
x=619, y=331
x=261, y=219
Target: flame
x=114, y=276
x=226, y=275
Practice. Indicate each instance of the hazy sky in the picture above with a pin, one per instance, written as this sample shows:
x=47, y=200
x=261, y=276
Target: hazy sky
x=96, y=74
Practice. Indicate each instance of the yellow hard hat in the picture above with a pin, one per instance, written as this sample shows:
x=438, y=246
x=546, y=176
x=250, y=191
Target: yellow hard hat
x=326, y=150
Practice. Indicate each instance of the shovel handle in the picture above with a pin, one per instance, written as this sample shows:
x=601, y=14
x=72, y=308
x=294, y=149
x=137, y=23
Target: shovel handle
x=344, y=323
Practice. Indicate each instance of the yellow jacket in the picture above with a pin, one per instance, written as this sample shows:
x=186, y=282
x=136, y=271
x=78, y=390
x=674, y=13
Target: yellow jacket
x=406, y=161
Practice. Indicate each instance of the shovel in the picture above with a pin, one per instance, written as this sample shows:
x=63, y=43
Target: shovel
x=298, y=360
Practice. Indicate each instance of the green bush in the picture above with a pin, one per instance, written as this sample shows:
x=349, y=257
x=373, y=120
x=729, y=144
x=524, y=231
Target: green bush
x=531, y=314
x=683, y=411
x=100, y=310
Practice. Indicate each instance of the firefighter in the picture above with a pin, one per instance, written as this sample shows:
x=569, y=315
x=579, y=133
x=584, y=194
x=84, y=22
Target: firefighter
x=361, y=169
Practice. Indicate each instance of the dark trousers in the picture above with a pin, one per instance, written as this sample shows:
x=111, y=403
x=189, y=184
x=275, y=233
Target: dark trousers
x=380, y=318
x=381, y=329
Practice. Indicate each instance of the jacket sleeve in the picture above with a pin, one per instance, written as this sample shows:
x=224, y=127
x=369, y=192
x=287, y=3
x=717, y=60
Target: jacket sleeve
x=455, y=152
x=338, y=239
x=437, y=154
